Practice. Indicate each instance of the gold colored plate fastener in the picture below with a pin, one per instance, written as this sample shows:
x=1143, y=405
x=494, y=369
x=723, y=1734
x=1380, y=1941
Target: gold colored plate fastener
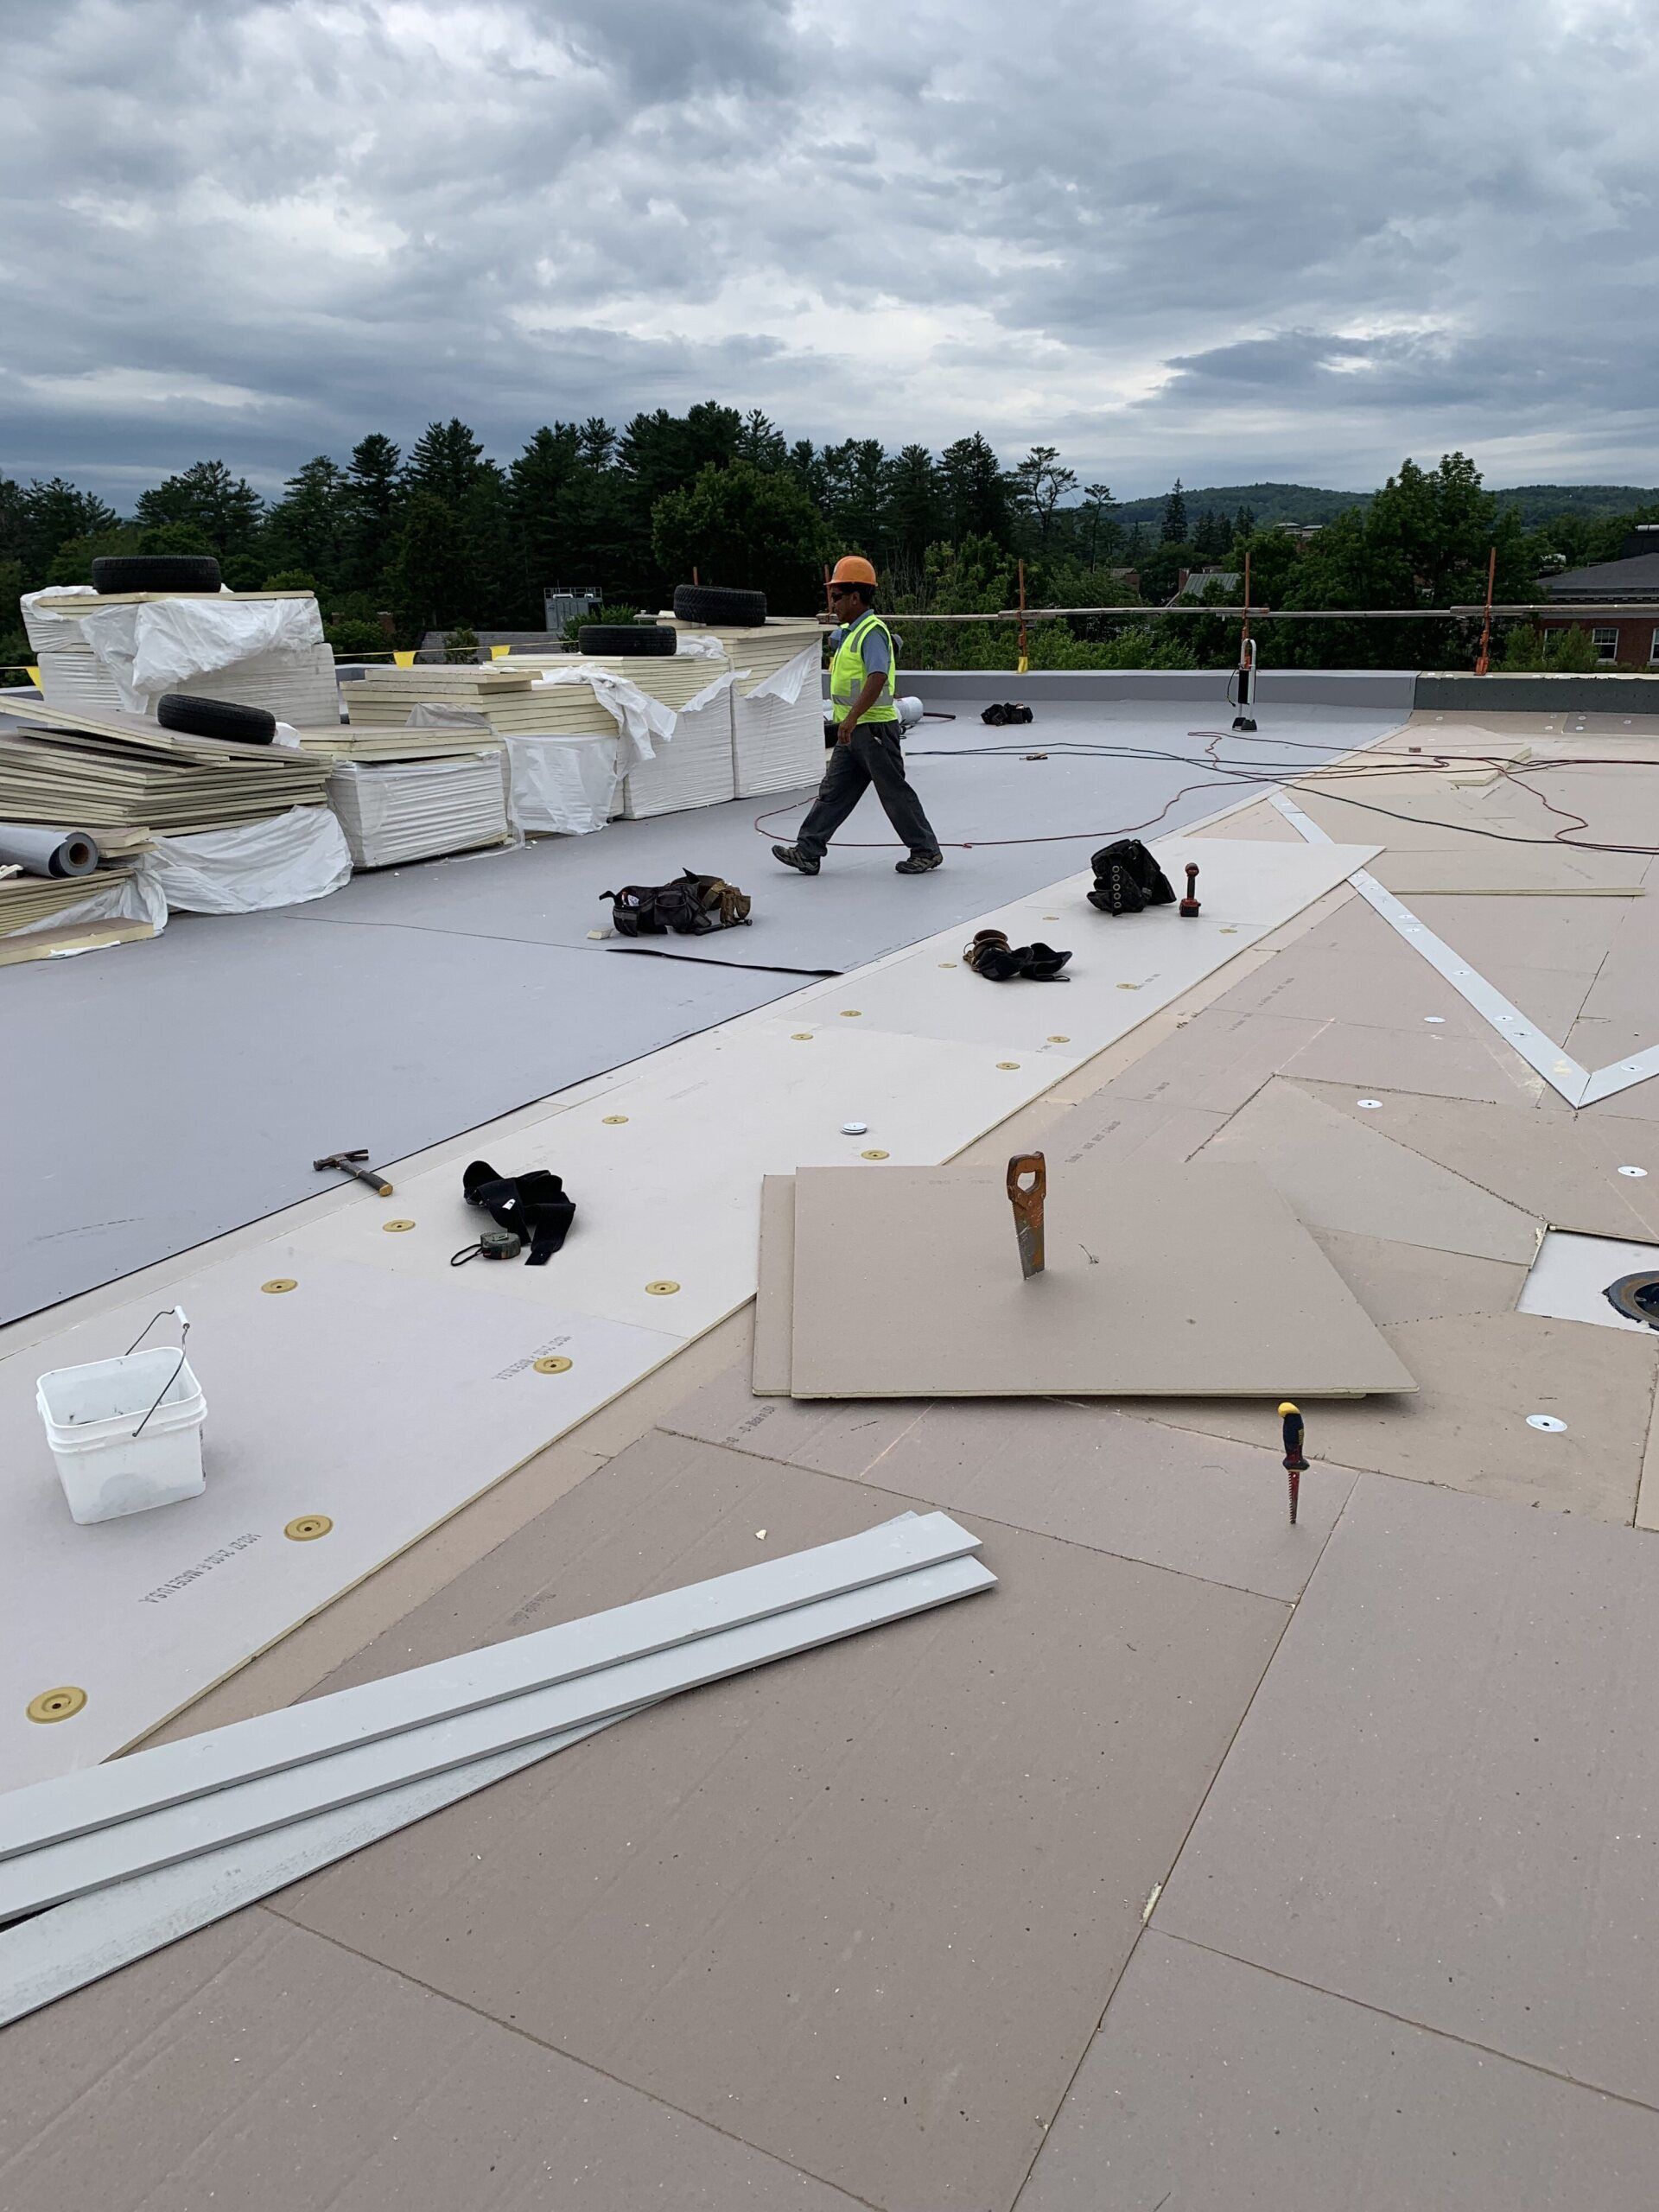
x=872, y=1155
x=1057, y=1039
x=553, y=1363
x=614, y=1120
x=280, y=1283
x=61, y=1703
x=800, y=1036
x=1007, y=1063
x=308, y=1527
x=851, y=1013
x=396, y=1228
x=663, y=1289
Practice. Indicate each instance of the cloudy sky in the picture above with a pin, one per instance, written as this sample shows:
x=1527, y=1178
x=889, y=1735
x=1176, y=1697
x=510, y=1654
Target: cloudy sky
x=1297, y=240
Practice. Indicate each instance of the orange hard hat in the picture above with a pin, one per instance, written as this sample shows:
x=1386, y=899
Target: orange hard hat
x=854, y=569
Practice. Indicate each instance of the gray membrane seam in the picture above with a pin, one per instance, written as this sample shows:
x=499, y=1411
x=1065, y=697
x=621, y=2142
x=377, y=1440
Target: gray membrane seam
x=1408, y=2020
x=538, y=2042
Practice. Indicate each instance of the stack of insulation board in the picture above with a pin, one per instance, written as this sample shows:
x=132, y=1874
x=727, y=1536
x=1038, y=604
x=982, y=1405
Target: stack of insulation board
x=777, y=742
x=297, y=687
x=108, y=770
x=561, y=744
x=694, y=767
x=395, y=810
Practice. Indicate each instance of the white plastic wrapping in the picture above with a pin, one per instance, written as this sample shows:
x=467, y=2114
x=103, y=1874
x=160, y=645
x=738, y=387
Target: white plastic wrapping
x=785, y=683
x=49, y=632
x=639, y=719
x=566, y=784
x=164, y=644
x=280, y=862
x=395, y=810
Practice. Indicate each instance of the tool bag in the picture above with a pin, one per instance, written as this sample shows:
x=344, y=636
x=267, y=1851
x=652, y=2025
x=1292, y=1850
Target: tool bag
x=1005, y=711
x=534, y=1206
x=1126, y=879
x=991, y=956
x=690, y=906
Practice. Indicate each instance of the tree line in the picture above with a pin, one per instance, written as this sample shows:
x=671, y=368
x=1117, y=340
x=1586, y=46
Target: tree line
x=445, y=537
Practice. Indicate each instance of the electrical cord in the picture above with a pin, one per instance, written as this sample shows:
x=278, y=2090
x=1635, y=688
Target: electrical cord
x=1266, y=776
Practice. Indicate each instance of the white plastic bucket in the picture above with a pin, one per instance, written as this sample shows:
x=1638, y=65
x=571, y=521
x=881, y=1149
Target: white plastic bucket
x=92, y=1417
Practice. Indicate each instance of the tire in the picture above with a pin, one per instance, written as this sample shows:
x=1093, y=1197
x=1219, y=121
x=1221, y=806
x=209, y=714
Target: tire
x=123, y=572
x=194, y=717
x=713, y=605
x=612, y=639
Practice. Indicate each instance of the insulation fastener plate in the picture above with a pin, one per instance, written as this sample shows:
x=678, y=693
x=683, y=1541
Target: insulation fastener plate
x=60, y=1704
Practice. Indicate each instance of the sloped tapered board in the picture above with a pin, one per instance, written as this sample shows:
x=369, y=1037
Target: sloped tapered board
x=1161, y=1280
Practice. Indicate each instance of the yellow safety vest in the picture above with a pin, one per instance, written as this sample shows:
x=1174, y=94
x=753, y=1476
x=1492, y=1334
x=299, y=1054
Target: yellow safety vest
x=848, y=672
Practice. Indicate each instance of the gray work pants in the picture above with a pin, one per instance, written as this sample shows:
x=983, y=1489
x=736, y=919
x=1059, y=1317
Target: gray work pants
x=872, y=756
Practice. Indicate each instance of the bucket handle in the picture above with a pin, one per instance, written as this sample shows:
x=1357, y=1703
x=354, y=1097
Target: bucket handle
x=183, y=1320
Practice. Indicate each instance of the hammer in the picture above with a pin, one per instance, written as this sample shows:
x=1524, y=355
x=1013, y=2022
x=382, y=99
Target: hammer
x=345, y=1161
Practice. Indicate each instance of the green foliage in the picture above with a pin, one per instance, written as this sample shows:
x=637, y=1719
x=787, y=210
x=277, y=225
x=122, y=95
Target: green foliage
x=427, y=569
x=72, y=562
x=289, y=579
x=352, y=637
x=570, y=636
x=1558, y=651
x=1174, y=527
x=461, y=644
x=745, y=526
x=225, y=510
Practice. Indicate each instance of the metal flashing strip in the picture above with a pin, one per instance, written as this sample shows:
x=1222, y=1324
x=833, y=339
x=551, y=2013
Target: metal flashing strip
x=76, y=1943
x=60, y=1871
x=71, y=1805
x=1579, y=1086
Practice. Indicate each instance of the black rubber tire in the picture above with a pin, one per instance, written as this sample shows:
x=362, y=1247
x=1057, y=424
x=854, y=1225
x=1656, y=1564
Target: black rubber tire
x=612, y=639
x=122, y=572
x=194, y=717
x=719, y=609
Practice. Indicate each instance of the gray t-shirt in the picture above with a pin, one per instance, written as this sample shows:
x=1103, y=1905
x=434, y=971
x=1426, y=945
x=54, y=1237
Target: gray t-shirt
x=872, y=649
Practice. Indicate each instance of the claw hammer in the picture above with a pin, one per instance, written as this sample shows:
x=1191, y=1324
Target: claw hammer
x=347, y=1163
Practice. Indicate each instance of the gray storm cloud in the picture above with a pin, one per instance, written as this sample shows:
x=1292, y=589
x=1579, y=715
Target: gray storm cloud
x=1302, y=239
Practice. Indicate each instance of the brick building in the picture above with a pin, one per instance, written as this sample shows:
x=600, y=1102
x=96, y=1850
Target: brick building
x=1632, y=641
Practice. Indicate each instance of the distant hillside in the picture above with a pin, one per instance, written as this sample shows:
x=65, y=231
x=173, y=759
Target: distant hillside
x=1268, y=503
x=1540, y=503
x=1305, y=503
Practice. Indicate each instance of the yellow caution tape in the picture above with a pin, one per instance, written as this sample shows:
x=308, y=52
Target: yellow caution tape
x=404, y=659
x=499, y=653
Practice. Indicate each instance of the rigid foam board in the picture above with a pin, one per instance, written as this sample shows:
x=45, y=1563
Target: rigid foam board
x=665, y=1167
x=774, y=1330
x=380, y=1404
x=1340, y=1172
x=781, y=1906
x=1225, y=2089
x=1444, y=1802
x=224, y=1818
x=76, y=1805
x=370, y=2094
x=1161, y=1280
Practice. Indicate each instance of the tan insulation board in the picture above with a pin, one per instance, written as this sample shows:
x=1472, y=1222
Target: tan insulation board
x=775, y=1302
x=70, y=936
x=1163, y=1279
x=74, y=603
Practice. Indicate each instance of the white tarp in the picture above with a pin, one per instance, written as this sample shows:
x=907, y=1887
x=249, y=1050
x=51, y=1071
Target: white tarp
x=638, y=719
x=785, y=683
x=564, y=784
x=281, y=862
x=162, y=644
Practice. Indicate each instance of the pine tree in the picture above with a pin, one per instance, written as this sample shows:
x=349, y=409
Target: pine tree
x=1174, y=531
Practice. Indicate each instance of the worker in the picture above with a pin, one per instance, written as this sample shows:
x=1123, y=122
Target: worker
x=866, y=750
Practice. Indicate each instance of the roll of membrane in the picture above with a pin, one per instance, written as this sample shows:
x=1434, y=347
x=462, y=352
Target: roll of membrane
x=48, y=852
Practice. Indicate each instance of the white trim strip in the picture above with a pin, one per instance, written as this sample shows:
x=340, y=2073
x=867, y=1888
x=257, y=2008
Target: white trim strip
x=1576, y=1084
x=56, y=1951
x=60, y=1871
x=73, y=1804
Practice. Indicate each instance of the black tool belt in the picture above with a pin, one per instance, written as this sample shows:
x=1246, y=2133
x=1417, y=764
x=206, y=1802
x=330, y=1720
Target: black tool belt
x=535, y=1205
x=690, y=906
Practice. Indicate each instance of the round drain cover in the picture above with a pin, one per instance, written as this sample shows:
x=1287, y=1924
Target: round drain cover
x=1546, y=1420
x=1637, y=1297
